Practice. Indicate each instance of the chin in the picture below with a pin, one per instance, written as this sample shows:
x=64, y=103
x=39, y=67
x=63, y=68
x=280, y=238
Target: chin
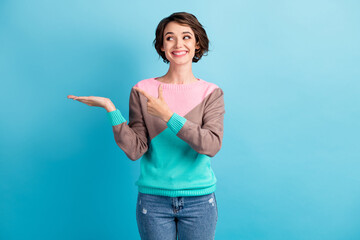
x=180, y=62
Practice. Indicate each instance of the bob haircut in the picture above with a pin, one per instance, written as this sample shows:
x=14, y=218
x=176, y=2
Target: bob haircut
x=183, y=18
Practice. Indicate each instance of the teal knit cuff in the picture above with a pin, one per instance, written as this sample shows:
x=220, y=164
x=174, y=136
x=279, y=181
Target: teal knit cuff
x=115, y=117
x=176, y=122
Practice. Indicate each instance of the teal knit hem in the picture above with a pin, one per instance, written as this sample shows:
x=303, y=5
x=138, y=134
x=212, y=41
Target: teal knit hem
x=115, y=117
x=176, y=122
x=177, y=193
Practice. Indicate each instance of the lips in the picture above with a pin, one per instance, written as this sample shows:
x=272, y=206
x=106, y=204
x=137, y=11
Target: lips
x=179, y=53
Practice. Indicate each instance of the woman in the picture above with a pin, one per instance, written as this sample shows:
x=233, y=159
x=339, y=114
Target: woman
x=175, y=127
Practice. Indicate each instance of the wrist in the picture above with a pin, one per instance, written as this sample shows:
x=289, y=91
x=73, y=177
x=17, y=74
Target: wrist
x=168, y=116
x=109, y=106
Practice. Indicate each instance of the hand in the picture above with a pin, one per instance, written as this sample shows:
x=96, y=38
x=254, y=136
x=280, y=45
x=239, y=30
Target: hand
x=95, y=101
x=157, y=106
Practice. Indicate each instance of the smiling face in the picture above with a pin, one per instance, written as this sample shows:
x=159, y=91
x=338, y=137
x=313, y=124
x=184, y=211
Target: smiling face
x=179, y=43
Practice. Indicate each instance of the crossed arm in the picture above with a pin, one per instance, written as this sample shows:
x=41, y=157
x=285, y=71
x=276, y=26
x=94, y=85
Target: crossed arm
x=132, y=138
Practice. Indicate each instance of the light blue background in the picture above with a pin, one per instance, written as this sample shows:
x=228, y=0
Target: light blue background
x=289, y=166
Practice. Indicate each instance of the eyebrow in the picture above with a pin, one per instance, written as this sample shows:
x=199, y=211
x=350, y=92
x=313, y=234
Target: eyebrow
x=173, y=33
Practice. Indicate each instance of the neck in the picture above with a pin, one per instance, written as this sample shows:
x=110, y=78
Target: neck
x=179, y=74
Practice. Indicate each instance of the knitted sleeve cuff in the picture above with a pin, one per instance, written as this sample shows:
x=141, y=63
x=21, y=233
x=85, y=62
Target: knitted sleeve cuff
x=115, y=117
x=176, y=122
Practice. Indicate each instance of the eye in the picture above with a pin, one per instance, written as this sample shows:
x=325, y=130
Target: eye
x=168, y=38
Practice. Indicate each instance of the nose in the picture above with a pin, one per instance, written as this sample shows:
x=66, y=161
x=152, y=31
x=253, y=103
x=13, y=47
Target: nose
x=179, y=43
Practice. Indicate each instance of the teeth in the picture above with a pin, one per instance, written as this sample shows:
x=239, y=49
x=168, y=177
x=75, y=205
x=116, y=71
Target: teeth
x=179, y=53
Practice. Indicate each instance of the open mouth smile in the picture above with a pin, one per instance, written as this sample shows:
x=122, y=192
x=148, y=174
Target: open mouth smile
x=179, y=53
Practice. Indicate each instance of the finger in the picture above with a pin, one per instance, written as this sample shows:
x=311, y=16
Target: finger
x=160, y=92
x=143, y=93
x=86, y=102
x=81, y=98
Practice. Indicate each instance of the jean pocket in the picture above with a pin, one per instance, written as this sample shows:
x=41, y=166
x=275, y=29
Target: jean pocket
x=213, y=196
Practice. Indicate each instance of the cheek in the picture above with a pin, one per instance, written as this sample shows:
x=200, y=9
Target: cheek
x=167, y=47
x=192, y=48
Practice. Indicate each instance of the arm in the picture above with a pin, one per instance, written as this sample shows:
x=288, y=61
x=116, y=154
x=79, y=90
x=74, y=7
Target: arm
x=132, y=137
x=205, y=139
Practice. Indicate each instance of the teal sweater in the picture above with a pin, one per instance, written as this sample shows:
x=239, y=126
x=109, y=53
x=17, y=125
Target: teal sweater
x=175, y=156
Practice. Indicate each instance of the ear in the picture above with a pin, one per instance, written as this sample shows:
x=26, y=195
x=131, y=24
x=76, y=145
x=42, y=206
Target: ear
x=197, y=46
x=162, y=49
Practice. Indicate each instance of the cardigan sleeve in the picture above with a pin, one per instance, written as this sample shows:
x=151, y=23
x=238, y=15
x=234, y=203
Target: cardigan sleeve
x=205, y=139
x=132, y=138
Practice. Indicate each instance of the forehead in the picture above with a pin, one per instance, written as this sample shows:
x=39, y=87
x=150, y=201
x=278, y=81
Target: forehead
x=176, y=28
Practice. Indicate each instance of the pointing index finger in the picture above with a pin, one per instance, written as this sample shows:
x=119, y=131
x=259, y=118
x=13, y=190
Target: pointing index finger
x=160, y=91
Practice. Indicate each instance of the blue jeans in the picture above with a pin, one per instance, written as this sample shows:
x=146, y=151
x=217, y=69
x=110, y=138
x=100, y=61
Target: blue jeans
x=166, y=218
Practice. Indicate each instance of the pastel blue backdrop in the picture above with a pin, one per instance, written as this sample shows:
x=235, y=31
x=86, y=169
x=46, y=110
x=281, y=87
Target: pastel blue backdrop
x=289, y=167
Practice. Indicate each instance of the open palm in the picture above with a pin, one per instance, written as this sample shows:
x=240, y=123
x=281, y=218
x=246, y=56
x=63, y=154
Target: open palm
x=91, y=100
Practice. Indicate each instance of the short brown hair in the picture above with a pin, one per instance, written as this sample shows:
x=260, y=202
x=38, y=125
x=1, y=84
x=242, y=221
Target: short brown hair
x=183, y=18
